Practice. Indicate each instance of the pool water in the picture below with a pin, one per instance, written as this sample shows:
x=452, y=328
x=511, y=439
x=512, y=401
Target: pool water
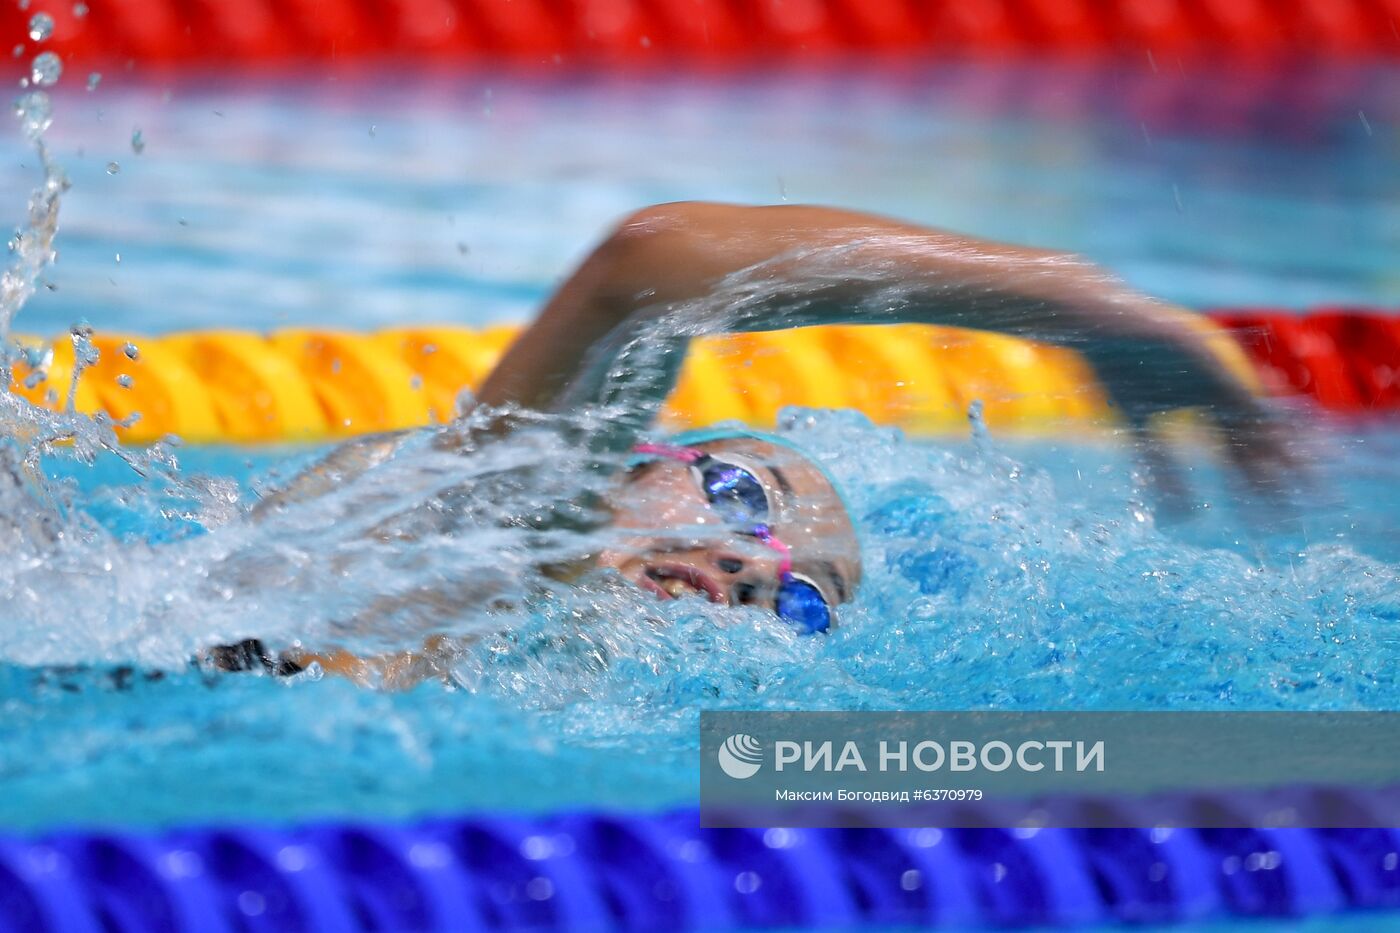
x=999, y=574
x=372, y=198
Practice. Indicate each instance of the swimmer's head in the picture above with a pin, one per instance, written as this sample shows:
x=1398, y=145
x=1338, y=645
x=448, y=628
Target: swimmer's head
x=692, y=522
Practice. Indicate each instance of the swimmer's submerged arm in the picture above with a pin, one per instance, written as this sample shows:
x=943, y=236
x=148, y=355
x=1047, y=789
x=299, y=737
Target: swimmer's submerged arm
x=675, y=271
x=346, y=461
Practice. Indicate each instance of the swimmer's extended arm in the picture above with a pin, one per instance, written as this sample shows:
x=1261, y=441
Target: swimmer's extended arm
x=675, y=271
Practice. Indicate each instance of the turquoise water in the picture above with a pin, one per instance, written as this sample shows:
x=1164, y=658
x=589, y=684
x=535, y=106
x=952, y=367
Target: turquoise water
x=1022, y=575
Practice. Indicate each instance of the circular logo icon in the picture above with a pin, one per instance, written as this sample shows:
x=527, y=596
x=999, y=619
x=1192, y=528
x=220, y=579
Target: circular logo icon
x=741, y=756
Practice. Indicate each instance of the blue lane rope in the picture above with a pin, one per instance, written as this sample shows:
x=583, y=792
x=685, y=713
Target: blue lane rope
x=595, y=871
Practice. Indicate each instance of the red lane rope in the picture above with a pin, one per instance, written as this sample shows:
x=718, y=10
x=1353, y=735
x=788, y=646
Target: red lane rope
x=1346, y=359
x=549, y=32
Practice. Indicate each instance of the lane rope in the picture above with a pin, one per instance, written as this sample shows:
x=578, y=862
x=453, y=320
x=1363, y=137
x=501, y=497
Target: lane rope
x=549, y=33
x=309, y=384
x=604, y=871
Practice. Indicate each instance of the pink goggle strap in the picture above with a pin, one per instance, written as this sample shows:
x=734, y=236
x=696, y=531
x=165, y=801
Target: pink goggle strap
x=770, y=539
x=683, y=454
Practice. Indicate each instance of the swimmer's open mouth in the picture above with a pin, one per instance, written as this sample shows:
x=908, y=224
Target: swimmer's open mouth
x=672, y=581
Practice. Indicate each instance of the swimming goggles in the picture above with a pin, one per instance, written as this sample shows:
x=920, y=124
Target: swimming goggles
x=741, y=499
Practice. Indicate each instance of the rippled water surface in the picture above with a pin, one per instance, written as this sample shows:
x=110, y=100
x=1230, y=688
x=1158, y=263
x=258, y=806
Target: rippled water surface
x=402, y=196
x=1000, y=574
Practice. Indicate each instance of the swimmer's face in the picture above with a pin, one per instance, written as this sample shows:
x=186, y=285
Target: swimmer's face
x=672, y=542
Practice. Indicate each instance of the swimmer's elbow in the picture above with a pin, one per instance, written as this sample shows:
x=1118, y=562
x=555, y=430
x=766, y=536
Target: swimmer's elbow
x=651, y=232
x=677, y=223
x=658, y=219
x=646, y=256
x=661, y=256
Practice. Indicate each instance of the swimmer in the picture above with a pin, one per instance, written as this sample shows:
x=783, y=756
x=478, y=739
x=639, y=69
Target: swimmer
x=616, y=331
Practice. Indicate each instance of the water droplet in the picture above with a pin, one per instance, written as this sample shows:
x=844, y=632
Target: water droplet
x=93, y=80
x=80, y=10
x=372, y=129
x=18, y=50
x=40, y=26
x=252, y=903
x=38, y=357
x=131, y=351
x=113, y=168
x=24, y=4
x=119, y=258
x=124, y=381
x=747, y=882
x=463, y=248
x=46, y=69
x=138, y=145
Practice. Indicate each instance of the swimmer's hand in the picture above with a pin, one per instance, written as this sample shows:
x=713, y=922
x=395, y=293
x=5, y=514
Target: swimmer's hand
x=1165, y=359
x=400, y=671
x=616, y=331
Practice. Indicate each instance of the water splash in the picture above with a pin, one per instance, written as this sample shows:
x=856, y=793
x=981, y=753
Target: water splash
x=50, y=544
x=31, y=514
x=32, y=249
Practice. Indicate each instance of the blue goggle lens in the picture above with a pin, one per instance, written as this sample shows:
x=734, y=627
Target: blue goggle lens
x=734, y=492
x=803, y=605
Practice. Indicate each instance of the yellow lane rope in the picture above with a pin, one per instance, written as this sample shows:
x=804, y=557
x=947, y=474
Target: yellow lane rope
x=309, y=384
